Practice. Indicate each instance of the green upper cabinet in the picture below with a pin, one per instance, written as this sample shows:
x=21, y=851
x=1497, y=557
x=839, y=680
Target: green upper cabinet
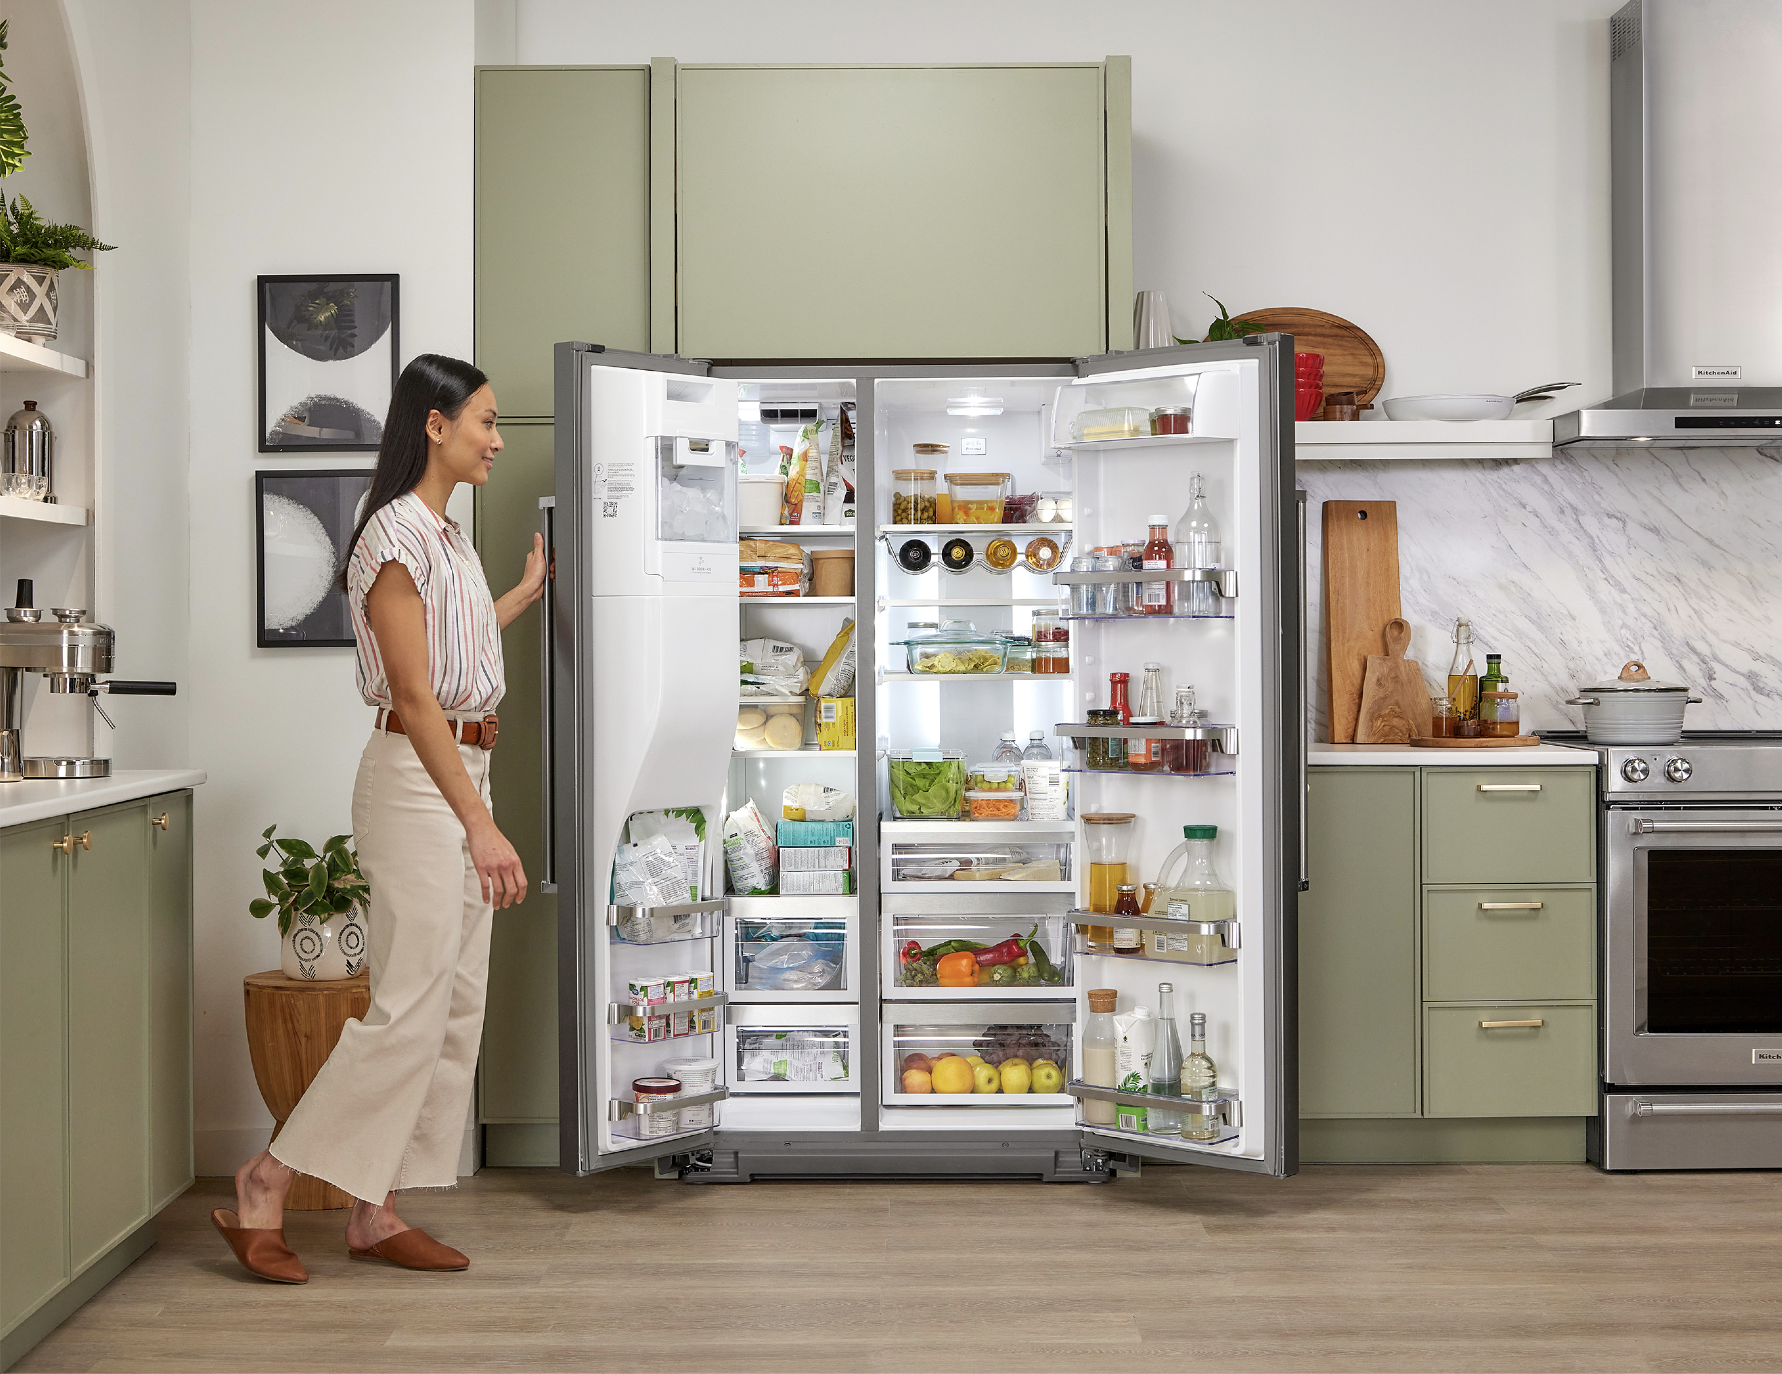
x=562, y=220
x=902, y=212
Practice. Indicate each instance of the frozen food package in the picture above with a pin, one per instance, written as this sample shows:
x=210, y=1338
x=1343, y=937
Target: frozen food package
x=838, y=473
x=813, y=440
x=791, y=1056
x=816, y=801
x=750, y=854
x=684, y=828
x=771, y=567
x=772, y=668
x=835, y=674
x=649, y=874
x=792, y=473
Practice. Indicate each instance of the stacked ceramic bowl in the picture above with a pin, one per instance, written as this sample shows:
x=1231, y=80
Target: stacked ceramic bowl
x=1308, y=385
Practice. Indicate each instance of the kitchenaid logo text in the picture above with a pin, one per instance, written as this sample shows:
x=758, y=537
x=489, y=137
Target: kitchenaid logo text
x=1727, y=372
x=1766, y=1056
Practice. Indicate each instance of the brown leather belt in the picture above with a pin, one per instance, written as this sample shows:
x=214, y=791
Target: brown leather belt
x=477, y=732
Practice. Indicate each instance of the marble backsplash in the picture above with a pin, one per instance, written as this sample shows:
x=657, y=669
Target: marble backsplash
x=1571, y=565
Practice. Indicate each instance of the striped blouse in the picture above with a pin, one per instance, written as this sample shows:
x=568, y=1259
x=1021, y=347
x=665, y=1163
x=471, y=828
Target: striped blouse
x=463, y=634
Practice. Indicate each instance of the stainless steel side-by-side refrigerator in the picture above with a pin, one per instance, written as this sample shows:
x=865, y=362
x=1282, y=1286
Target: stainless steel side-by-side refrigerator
x=803, y=1030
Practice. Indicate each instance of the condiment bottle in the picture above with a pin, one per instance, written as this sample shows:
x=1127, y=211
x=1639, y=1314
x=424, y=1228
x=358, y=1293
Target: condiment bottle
x=1199, y=1080
x=1158, y=598
x=1128, y=939
x=1197, y=546
x=1117, y=685
x=1166, y=1065
x=1100, y=1054
x=1463, y=680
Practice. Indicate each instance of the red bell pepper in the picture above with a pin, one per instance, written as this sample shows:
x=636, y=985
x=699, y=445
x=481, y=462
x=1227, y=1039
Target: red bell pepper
x=1005, y=953
x=911, y=950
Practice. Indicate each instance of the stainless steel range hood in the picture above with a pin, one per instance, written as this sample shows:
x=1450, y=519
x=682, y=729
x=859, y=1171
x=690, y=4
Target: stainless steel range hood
x=1695, y=137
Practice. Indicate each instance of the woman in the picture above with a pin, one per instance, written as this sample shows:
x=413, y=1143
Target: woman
x=387, y=1110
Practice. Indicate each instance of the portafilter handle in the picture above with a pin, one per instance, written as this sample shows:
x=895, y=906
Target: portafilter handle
x=124, y=687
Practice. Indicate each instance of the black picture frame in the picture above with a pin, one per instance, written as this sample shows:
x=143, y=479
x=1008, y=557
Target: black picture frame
x=327, y=368
x=331, y=497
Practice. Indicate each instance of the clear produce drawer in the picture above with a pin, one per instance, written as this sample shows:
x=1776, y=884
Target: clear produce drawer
x=1024, y=954
x=792, y=1049
x=793, y=949
x=1008, y=1055
x=988, y=856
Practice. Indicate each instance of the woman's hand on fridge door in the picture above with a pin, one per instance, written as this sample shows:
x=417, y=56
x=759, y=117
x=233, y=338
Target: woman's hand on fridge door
x=528, y=589
x=497, y=865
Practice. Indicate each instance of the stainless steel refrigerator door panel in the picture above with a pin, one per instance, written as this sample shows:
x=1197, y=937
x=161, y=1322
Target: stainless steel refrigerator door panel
x=1733, y=1130
x=1653, y=1034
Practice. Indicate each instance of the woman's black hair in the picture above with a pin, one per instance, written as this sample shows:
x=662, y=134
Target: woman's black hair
x=430, y=382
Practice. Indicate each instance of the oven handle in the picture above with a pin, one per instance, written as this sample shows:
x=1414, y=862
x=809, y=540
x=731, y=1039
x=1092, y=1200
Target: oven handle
x=1643, y=1108
x=1641, y=827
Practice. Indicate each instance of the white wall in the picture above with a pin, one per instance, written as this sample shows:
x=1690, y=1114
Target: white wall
x=1437, y=173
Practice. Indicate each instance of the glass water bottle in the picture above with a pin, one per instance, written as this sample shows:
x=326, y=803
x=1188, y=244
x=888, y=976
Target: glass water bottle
x=1199, y=1080
x=1197, y=546
x=1166, y=1064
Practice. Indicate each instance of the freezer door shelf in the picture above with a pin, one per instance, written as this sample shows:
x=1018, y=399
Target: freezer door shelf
x=664, y=925
x=803, y=1048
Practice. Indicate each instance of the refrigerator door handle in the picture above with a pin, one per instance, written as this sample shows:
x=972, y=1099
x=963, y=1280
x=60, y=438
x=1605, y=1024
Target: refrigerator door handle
x=1305, y=713
x=547, y=705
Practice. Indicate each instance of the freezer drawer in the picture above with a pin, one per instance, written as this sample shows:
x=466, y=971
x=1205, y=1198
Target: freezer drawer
x=793, y=949
x=915, y=944
x=917, y=1037
x=807, y=1048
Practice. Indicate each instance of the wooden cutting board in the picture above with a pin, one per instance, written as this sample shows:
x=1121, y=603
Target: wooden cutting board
x=1482, y=742
x=1394, y=699
x=1360, y=596
x=1352, y=361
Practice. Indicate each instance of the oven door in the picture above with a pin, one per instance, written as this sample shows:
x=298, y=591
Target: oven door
x=1693, y=946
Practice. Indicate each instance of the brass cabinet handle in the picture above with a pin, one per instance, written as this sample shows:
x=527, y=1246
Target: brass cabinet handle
x=1499, y=1025
x=1511, y=906
x=160, y=822
x=67, y=842
x=1509, y=787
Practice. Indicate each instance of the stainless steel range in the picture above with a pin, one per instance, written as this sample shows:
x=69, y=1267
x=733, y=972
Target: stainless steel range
x=1691, y=953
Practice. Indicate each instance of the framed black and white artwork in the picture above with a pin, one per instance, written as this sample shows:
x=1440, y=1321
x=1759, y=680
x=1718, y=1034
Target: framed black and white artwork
x=303, y=521
x=328, y=355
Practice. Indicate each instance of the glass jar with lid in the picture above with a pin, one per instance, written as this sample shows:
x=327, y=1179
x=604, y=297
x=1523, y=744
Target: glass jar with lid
x=1051, y=643
x=912, y=496
x=935, y=456
x=1499, y=714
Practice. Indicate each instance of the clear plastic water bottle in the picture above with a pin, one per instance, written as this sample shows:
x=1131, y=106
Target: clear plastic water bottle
x=1036, y=751
x=1008, y=751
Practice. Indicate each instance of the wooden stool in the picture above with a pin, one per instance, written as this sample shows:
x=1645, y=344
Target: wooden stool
x=292, y=1028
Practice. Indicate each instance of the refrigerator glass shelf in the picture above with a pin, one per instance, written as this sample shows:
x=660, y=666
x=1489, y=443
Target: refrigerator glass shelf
x=1023, y=602
x=804, y=751
x=1144, y=440
x=976, y=677
x=1128, y=773
x=1149, y=619
x=799, y=532
x=1225, y=1136
x=1034, y=528
x=747, y=601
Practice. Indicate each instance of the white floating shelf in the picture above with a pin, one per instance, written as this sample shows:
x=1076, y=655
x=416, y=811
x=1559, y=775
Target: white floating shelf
x=1145, y=441
x=1350, y=440
x=18, y=356
x=975, y=677
x=799, y=532
x=17, y=508
x=1034, y=602
x=804, y=751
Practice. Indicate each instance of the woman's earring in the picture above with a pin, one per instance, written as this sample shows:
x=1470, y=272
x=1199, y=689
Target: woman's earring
x=439, y=438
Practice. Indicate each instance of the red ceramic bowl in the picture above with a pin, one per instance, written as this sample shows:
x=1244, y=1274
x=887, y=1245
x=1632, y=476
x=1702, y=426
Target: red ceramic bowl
x=1307, y=401
x=1308, y=367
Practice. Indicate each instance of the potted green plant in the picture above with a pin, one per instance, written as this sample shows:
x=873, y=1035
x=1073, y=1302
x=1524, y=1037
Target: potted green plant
x=320, y=900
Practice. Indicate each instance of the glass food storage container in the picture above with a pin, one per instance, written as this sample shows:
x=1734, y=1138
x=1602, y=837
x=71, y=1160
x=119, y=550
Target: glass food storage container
x=1054, y=508
x=957, y=647
x=1019, y=510
x=1172, y=420
x=1021, y=654
x=1029, y=954
x=994, y=777
x=912, y=496
x=978, y=496
x=993, y=806
x=1499, y=714
x=1051, y=643
x=926, y=784
x=1011, y=1056
x=1121, y=422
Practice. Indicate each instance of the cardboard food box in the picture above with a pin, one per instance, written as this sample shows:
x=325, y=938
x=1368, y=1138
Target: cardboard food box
x=831, y=882
x=813, y=834
x=815, y=860
x=835, y=722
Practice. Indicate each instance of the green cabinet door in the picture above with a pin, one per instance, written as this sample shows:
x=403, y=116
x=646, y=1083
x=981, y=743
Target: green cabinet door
x=518, y=1075
x=170, y=997
x=108, y=1025
x=1358, y=990
x=892, y=212
x=562, y=220
x=33, y=1054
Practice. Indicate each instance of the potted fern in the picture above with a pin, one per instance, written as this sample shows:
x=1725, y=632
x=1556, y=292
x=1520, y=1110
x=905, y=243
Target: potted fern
x=320, y=900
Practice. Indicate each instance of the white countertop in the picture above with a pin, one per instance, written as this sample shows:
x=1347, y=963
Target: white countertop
x=37, y=799
x=1376, y=755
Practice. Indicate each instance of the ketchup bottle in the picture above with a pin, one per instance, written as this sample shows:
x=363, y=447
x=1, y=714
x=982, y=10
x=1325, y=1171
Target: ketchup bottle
x=1117, y=684
x=1158, y=598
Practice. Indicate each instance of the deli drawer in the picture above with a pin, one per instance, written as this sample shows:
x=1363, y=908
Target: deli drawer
x=1510, y=1059
x=802, y=1048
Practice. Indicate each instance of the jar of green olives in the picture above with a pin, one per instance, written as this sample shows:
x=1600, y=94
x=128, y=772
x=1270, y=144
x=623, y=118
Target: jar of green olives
x=912, y=496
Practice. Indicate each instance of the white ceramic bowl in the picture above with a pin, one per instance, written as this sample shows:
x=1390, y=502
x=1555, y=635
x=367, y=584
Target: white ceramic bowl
x=1475, y=407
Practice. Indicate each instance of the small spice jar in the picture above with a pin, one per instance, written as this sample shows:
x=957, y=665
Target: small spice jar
x=653, y=1124
x=1171, y=419
x=1443, y=719
x=912, y=496
x=1105, y=755
x=1499, y=714
x=1145, y=755
x=1051, y=643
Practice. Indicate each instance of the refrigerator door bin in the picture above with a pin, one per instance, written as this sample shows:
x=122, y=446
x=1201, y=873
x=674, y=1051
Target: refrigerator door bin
x=649, y=1123
x=911, y=973
x=1220, y=1118
x=809, y=1048
x=916, y=1037
x=1166, y=940
x=664, y=925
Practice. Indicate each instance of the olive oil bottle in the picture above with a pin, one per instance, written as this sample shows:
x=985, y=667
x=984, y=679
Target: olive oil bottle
x=1463, y=676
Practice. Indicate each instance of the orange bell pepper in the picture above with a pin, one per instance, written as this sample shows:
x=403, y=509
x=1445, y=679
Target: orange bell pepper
x=958, y=970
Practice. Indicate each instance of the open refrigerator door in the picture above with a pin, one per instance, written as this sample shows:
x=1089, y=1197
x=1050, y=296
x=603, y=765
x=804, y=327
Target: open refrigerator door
x=641, y=621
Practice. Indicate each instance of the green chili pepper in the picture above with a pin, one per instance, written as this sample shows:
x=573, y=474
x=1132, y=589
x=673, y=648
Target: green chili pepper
x=946, y=947
x=1043, y=966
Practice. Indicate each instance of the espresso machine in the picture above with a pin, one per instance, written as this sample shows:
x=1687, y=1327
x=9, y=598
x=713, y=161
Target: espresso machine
x=71, y=654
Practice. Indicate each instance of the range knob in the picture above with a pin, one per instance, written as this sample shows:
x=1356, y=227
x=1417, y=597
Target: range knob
x=1678, y=770
x=1635, y=770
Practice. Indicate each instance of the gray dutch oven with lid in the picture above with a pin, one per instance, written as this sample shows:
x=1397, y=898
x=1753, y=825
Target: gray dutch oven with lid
x=1634, y=709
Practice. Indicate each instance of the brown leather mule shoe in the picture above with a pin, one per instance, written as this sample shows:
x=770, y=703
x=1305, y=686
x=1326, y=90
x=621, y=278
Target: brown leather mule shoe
x=261, y=1250
x=413, y=1249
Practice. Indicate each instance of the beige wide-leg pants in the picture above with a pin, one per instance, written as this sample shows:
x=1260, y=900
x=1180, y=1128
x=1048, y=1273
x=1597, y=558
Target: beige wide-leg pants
x=388, y=1109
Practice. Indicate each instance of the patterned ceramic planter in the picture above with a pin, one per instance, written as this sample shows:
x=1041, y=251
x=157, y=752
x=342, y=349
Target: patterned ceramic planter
x=28, y=301
x=321, y=951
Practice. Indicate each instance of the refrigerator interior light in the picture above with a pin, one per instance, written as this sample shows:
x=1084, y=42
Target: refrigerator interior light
x=974, y=405
x=748, y=412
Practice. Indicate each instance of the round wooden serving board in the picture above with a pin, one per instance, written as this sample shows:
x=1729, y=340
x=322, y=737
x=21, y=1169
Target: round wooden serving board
x=1352, y=361
x=1483, y=742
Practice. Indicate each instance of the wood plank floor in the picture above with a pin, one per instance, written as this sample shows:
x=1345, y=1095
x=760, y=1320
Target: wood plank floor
x=1524, y=1267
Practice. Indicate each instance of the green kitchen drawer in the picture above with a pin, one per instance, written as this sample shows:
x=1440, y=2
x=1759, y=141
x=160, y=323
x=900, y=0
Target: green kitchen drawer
x=1509, y=942
x=1545, y=1069
x=1509, y=825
